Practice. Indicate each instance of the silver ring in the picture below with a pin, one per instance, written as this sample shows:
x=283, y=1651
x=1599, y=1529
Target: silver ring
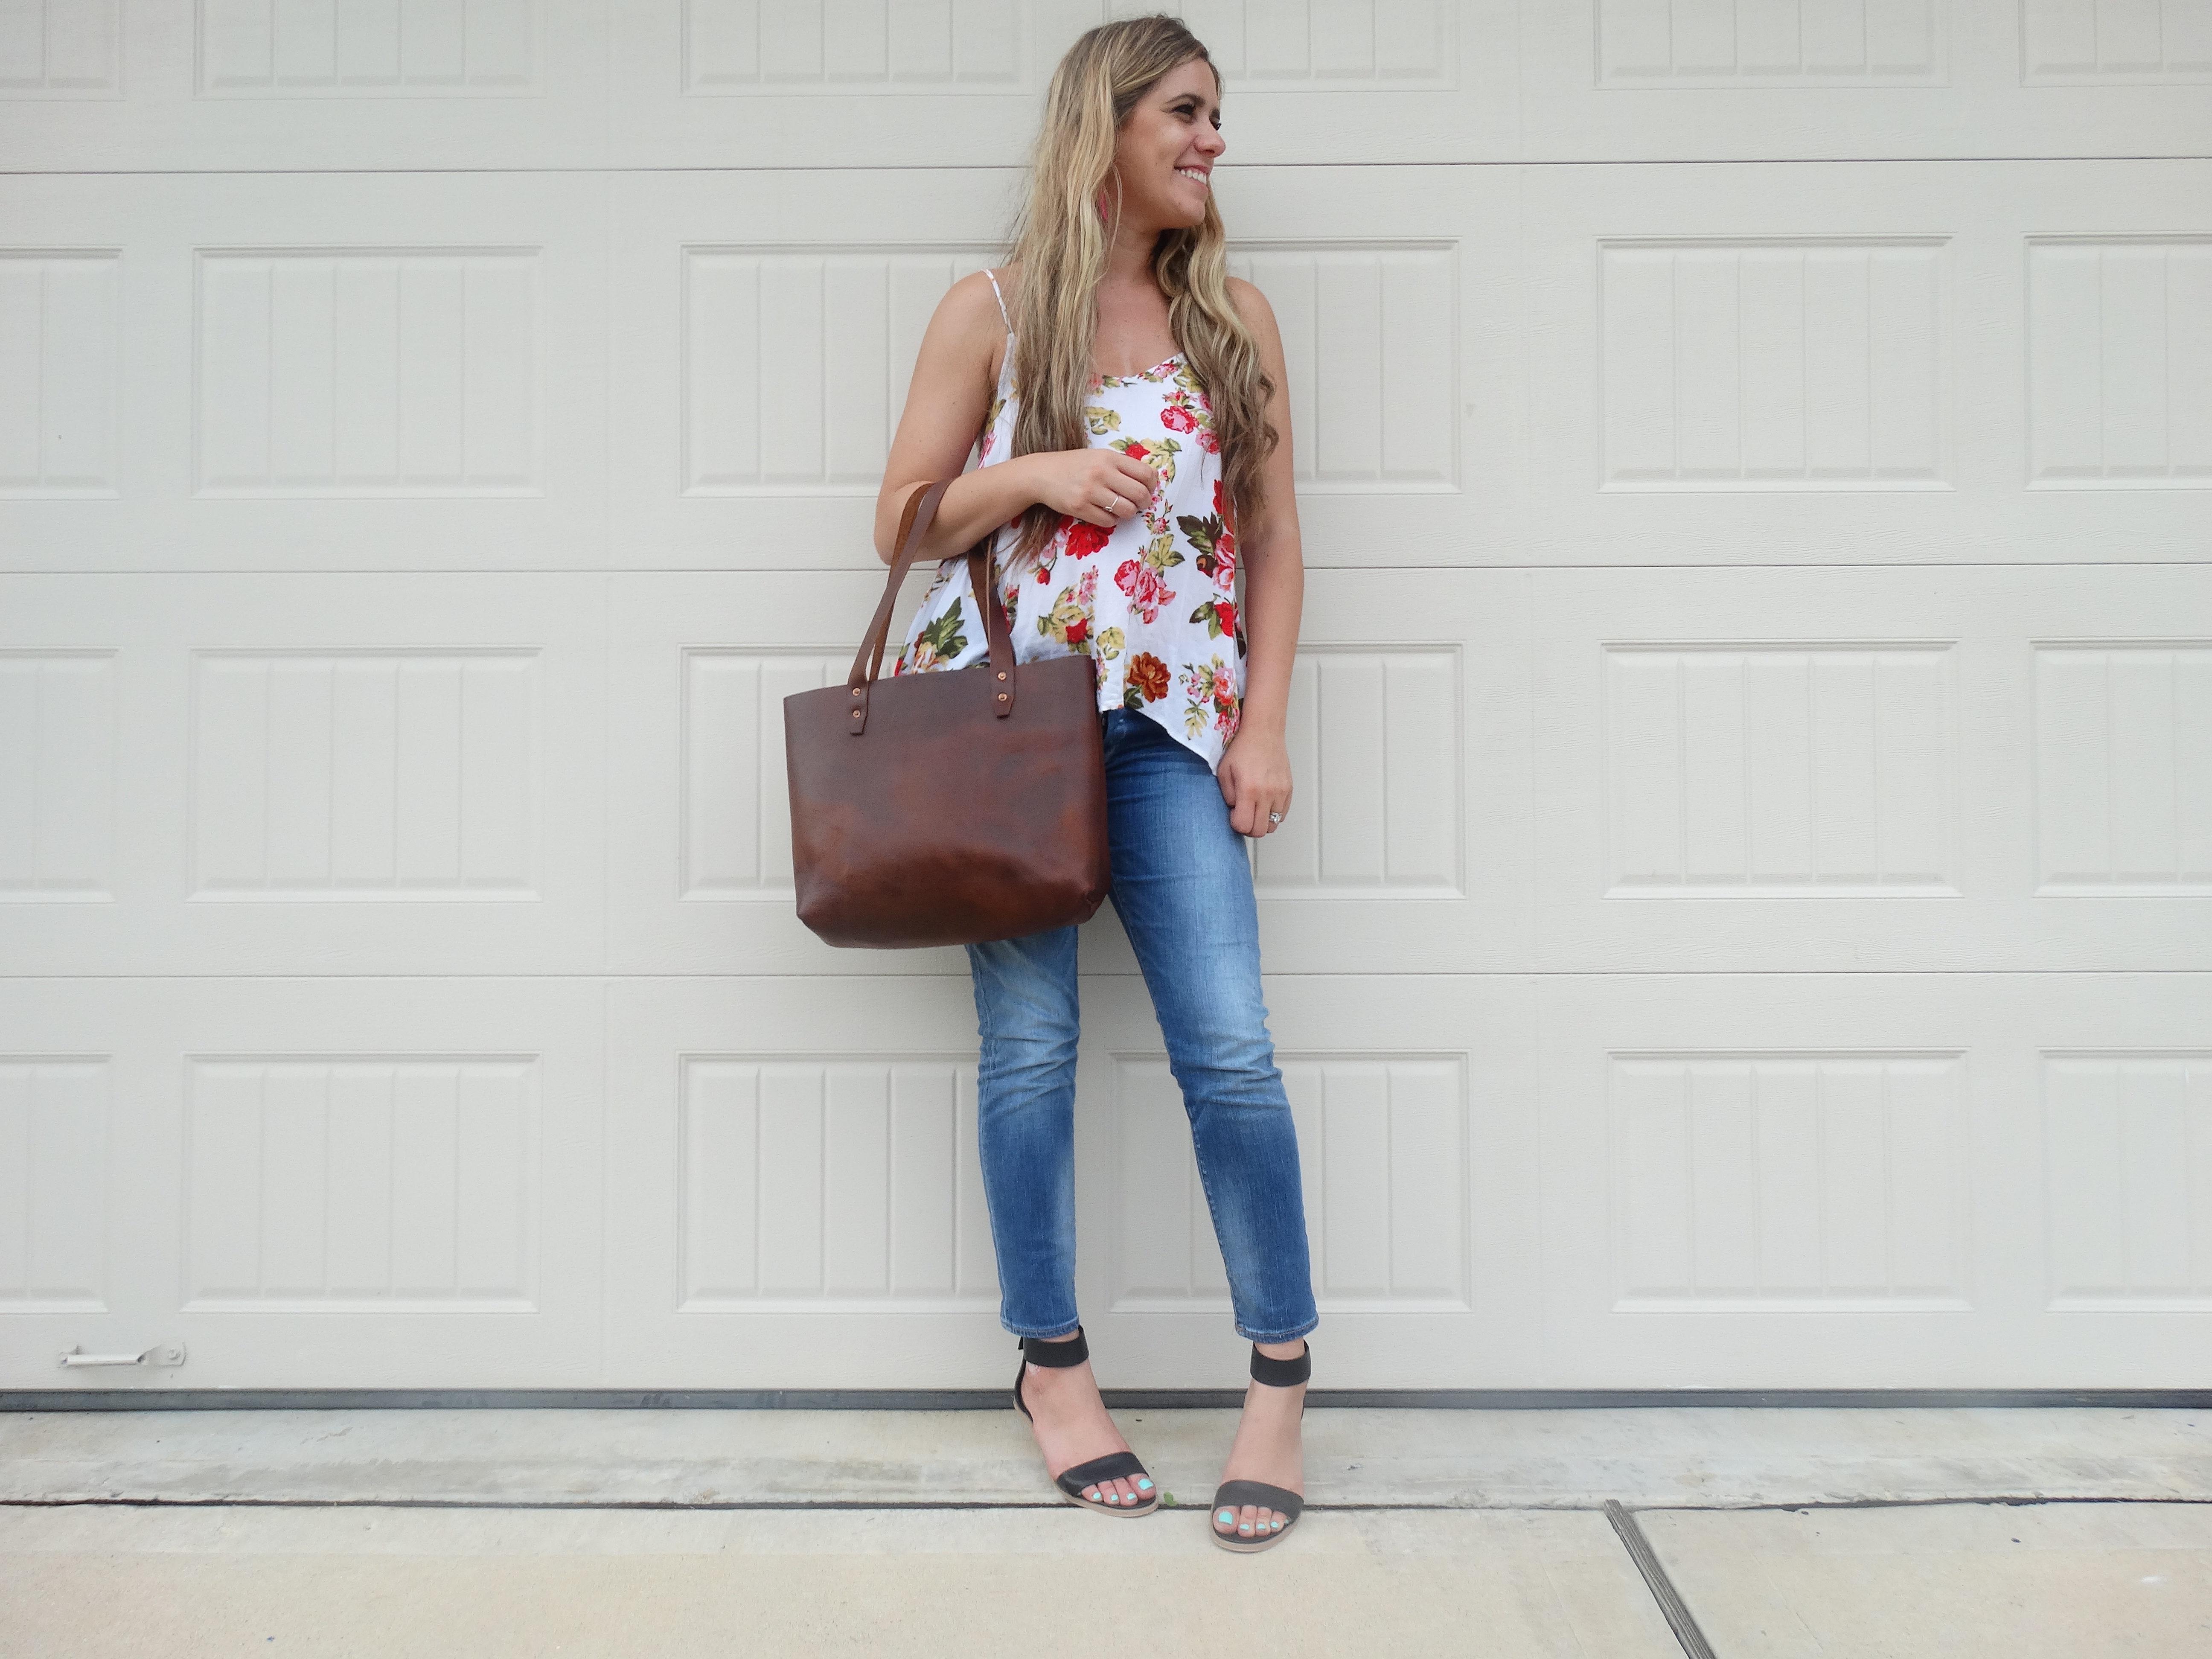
x=1274, y=817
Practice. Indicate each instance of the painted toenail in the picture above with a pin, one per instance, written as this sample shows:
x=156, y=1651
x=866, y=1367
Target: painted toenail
x=1143, y=1485
x=1247, y=1526
x=1228, y=1518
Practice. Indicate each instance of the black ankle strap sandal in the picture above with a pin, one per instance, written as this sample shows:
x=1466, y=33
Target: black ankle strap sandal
x=1114, y=1466
x=1236, y=1494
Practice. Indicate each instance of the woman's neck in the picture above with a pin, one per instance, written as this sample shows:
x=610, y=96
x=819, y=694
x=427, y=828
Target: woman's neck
x=1129, y=258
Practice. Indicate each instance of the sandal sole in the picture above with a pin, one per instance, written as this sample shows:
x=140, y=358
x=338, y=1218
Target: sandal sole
x=1116, y=1512
x=1236, y=1546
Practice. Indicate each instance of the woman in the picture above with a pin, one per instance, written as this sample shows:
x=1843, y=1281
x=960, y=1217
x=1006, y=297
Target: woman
x=1134, y=453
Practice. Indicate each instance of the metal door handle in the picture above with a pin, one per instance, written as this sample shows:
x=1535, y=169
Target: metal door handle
x=161, y=1353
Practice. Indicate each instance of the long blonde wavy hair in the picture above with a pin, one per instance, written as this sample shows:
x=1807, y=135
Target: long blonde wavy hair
x=1061, y=240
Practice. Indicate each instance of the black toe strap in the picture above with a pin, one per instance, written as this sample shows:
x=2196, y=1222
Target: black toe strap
x=1236, y=1494
x=1114, y=1466
x=1053, y=1355
x=1282, y=1373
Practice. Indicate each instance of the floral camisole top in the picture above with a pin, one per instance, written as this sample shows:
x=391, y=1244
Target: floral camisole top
x=1152, y=601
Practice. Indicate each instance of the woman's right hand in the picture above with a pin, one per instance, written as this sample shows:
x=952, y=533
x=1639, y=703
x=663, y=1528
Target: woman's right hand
x=1098, y=486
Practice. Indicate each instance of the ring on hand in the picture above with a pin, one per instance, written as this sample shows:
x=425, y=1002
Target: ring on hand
x=1274, y=817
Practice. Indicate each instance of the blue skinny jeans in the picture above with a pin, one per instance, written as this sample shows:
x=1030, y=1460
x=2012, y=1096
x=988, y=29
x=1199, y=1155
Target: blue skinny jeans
x=1182, y=887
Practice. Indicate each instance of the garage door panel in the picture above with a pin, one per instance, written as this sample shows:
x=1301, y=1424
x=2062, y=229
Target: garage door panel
x=697, y=82
x=349, y=373
x=1402, y=335
x=2122, y=805
x=492, y=83
x=2130, y=1199
x=95, y=84
x=1409, y=754
x=751, y=432
x=1386, y=1208
x=2118, y=347
x=1827, y=367
x=58, y=309
x=55, y=1114
x=790, y=1165
x=1801, y=770
x=1807, y=79
x=1414, y=1098
x=303, y=774
x=394, y=1182
x=701, y=841
x=851, y=1116
x=1479, y=80
x=1401, y=854
x=1872, y=1180
x=57, y=747
x=733, y=443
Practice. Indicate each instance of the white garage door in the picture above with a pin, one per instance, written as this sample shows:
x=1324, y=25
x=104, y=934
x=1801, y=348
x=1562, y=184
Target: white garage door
x=1749, y=920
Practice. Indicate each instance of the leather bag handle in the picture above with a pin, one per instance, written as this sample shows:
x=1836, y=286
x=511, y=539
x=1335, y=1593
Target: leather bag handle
x=915, y=520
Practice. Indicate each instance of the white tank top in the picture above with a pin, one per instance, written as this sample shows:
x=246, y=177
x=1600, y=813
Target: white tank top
x=1152, y=601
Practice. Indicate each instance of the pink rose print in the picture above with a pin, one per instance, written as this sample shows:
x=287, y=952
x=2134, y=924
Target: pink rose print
x=1141, y=582
x=1211, y=690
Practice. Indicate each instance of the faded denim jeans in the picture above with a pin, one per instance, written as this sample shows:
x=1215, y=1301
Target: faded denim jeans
x=1182, y=886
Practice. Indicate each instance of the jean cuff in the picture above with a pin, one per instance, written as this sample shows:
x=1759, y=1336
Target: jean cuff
x=1291, y=1335
x=1049, y=1332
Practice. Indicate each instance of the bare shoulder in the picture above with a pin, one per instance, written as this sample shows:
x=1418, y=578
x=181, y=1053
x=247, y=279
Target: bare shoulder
x=970, y=309
x=1252, y=306
x=965, y=333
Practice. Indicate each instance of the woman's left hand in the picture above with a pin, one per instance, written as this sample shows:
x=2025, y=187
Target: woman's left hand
x=1254, y=776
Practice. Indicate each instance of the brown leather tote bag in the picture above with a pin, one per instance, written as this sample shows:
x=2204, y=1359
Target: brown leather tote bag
x=947, y=808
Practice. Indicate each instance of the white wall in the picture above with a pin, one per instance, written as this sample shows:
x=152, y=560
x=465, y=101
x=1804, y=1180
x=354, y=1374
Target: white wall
x=1747, y=916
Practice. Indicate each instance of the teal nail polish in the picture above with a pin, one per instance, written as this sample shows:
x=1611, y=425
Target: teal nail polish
x=1143, y=1485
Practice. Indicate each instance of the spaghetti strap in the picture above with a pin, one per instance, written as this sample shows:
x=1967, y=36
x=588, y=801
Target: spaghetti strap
x=992, y=277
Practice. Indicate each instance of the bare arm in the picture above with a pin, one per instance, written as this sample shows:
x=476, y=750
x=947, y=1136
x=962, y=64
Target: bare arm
x=955, y=374
x=1255, y=773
